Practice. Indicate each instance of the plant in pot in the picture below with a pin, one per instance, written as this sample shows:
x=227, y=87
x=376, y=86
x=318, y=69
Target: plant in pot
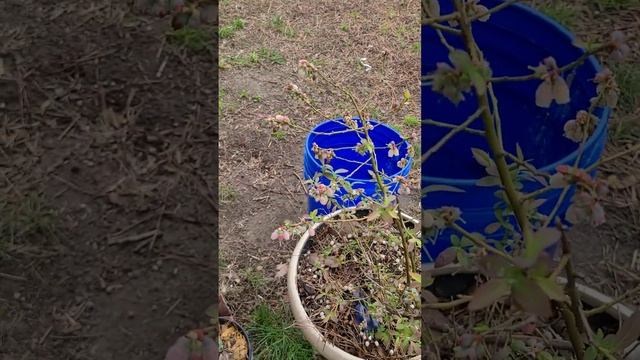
x=514, y=295
x=353, y=278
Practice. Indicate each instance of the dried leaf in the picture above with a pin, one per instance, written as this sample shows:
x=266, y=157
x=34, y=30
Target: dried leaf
x=446, y=257
x=629, y=332
x=331, y=261
x=488, y=293
x=282, y=270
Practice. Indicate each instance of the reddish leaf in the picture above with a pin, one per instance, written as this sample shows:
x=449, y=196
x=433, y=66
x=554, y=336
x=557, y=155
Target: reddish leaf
x=488, y=293
x=179, y=350
x=528, y=295
x=492, y=228
x=493, y=266
x=446, y=257
x=210, y=349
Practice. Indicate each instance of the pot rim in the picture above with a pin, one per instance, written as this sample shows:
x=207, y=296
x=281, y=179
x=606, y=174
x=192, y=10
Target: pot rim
x=591, y=296
x=303, y=322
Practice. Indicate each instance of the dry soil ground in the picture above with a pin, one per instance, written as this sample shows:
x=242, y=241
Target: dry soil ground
x=107, y=165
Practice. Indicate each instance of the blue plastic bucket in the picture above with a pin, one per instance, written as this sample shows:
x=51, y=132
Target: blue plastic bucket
x=335, y=134
x=512, y=40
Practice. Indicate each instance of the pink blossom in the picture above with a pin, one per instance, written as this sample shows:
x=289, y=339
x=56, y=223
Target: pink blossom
x=402, y=163
x=393, y=149
x=553, y=87
x=620, y=50
x=322, y=193
x=280, y=234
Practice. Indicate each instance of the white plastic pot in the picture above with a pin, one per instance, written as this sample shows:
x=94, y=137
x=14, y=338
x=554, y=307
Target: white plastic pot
x=308, y=328
x=588, y=295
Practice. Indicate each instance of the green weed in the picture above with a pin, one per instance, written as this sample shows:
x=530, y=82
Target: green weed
x=274, y=336
x=229, y=30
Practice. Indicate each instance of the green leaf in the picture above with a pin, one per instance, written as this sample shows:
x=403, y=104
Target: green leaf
x=591, y=353
x=544, y=356
x=519, y=153
x=406, y=95
x=480, y=328
x=542, y=239
x=460, y=59
x=479, y=81
x=488, y=293
x=489, y=181
x=444, y=188
x=482, y=157
x=415, y=276
x=550, y=287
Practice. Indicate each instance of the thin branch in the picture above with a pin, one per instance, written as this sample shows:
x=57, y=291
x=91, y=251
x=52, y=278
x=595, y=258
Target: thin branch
x=613, y=157
x=604, y=307
x=451, y=126
x=576, y=63
x=445, y=28
x=457, y=129
x=480, y=243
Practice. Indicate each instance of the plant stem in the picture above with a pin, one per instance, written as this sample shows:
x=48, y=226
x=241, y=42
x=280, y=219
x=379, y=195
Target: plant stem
x=574, y=334
x=576, y=302
x=445, y=28
x=495, y=9
x=492, y=136
x=408, y=259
